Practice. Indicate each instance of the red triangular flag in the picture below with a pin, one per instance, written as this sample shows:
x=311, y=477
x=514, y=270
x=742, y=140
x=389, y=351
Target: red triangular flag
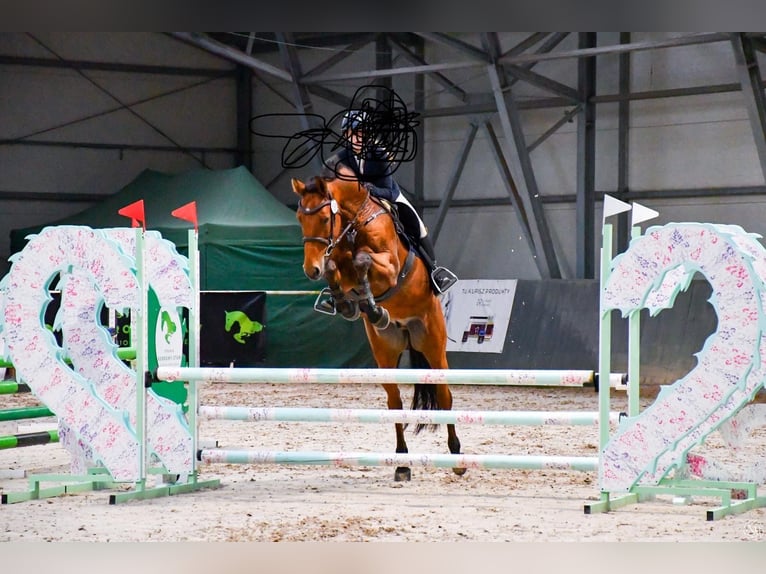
x=136, y=213
x=187, y=212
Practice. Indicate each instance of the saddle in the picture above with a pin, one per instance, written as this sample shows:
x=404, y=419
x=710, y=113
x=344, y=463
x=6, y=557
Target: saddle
x=393, y=209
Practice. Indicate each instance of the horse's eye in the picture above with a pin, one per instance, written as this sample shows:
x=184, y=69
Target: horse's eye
x=324, y=219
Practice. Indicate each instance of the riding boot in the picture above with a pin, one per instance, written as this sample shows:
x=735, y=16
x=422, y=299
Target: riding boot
x=441, y=277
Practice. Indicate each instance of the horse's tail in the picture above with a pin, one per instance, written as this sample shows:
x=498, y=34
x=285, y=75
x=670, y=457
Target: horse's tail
x=424, y=397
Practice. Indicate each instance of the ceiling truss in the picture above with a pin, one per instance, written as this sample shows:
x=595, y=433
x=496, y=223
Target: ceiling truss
x=402, y=54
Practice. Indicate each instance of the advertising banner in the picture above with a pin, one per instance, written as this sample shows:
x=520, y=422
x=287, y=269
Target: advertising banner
x=232, y=328
x=478, y=313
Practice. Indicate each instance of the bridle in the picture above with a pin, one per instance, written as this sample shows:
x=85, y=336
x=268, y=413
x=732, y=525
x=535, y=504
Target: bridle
x=331, y=241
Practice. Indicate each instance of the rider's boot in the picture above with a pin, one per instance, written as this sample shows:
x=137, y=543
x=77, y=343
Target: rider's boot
x=441, y=277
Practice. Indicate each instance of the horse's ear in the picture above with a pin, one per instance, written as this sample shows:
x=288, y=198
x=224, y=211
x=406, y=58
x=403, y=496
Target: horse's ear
x=298, y=186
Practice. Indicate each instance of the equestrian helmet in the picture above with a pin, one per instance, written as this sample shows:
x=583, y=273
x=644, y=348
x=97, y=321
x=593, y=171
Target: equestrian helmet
x=353, y=120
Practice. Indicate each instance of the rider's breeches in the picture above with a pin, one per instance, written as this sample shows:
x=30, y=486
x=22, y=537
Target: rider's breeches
x=406, y=205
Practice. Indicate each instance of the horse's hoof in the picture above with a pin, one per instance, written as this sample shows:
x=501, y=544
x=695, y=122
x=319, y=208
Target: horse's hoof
x=383, y=321
x=348, y=310
x=459, y=471
x=402, y=474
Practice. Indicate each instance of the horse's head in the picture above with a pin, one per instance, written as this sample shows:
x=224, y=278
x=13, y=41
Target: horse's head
x=316, y=214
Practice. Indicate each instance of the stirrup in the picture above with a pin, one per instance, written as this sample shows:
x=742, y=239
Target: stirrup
x=325, y=303
x=443, y=279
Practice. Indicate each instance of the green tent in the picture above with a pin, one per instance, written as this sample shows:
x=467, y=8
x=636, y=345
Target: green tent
x=248, y=241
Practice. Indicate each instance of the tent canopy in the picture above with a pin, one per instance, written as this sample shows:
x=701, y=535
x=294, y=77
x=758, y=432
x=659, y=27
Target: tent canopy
x=246, y=236
x=248, y=241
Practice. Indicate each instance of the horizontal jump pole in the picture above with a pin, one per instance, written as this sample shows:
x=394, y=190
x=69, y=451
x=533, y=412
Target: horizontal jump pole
x=22, y=413
x=314, y=415
x=351, y=459
x=13, y=388
x=28, y=439
x=123, y=353
x=509, y=377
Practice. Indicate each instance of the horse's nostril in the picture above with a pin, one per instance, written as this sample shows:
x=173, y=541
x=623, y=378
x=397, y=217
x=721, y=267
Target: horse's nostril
x=313, y=273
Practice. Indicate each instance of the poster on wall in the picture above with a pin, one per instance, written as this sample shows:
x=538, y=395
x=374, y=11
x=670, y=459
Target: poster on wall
x=477, y=313
x=232, y=328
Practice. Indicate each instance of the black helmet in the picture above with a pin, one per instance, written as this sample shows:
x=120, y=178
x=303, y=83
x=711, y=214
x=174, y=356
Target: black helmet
x=353, y=120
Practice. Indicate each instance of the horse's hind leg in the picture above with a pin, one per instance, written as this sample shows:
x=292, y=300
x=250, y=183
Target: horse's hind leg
x=402, y=473
x=444, y=401
x=431, y=339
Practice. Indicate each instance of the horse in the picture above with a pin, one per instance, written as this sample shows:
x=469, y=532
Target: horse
x=351, y=241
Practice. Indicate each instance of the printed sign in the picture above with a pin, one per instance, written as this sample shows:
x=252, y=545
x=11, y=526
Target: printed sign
x=233, y=328
x=478, y=313
x=168, y=338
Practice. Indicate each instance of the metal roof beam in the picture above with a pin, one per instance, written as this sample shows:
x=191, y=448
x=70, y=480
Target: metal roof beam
x=112, y=67
x=542, y=82
x=338, y=57
x=301, y=96
x=687, y=40
x=363, y=75
x=752, y=89
x=566, y=118
x=585, y=267
x=451, y=87
x=464, y=47
x=546, y=261
x=510, y=185
x=527, y=42
x=453, y=181
x=219, y=49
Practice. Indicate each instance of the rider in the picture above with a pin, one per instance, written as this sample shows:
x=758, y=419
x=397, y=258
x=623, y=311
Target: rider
x=372, y=166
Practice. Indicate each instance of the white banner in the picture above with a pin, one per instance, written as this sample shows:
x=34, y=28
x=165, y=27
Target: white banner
x=478, y=313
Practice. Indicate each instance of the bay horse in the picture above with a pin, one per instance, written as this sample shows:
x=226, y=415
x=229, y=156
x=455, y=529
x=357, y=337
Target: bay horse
x=350, y=240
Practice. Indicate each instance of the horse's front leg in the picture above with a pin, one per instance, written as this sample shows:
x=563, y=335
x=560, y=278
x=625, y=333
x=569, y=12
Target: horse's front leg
x=347, y=308
x=378, y=315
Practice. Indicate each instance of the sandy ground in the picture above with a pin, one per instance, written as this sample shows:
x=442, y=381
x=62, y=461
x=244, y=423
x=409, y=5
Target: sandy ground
x=301, y=503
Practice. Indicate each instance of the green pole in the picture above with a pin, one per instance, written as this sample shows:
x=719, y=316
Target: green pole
x=25, y=413
x=28, y=439
x=604, y=337
x=141, y=344
x=605, y=349
x=194, y=333
x=13, y=388
x=634, y=350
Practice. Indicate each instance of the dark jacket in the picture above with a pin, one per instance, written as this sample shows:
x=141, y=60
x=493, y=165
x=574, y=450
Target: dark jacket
x=377, y=171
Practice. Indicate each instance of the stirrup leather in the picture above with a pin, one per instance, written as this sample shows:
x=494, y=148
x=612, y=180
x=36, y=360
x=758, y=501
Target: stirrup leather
x=325, y=303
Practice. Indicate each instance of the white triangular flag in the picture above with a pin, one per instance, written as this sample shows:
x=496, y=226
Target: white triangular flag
x=641, y=214
x=613, y=206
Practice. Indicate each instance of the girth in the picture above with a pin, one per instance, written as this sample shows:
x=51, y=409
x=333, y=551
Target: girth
x=403, y=273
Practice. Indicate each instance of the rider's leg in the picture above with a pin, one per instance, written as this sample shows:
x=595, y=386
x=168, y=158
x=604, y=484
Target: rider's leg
x=442, y=277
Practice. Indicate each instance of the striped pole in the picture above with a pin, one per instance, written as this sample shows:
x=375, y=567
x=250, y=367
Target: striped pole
x=350, y=459
x=123, y=353
x=558, y=378
x=314, y=415
x=21, y=413
x=12, y=388
x=28, y=439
